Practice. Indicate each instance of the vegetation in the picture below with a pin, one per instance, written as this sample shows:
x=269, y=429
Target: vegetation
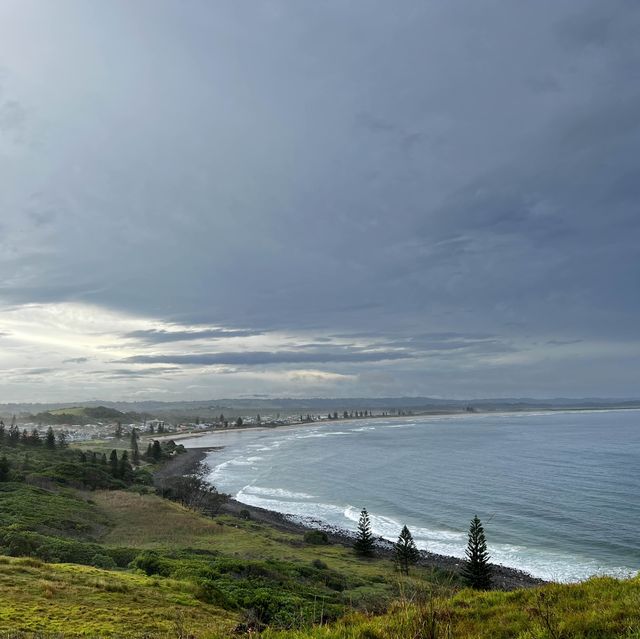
x=477, y=570
x=364, y=539
x=600, y=608
x=406, y=553
x=87, y=548
x=85, y=415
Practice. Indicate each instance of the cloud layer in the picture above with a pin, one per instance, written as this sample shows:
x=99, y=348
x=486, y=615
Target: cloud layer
x=431, y=198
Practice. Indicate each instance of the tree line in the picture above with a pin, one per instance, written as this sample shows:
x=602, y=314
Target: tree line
x=476, y=570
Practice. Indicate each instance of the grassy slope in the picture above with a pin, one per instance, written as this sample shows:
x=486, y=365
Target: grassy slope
x=81, y=601
x=601, y=608
x=147, y=521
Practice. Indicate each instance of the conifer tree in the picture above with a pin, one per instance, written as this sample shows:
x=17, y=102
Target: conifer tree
x=125, y=472
x=135, y=452
x=2, y=432
x=364, y=538
x=406, y=552
x=34, y=438
x=103, y=460
x=476, y=570
x=156, y=450
x=62, y=440
x=50, y=438
x=14, y=434
x=113, y=462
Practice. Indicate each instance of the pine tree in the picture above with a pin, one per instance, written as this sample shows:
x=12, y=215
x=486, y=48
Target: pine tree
x=135, y=452
x=118, y=431
x=14, y=434
x=50, y=438
x=156, y=450
x=406, y=553
x=62, y=440
x=364, y=539
x=125, y=472
x=103, y=459
x=476, y=570
x=113, y=462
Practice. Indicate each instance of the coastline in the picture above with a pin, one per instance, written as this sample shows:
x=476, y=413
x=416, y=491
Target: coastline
x=504, y=577
x=193, y=434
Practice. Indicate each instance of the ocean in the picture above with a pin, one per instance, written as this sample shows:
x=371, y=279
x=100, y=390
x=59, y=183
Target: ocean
x=558, y=492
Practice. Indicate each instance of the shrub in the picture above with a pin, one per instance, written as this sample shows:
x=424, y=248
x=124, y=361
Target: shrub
x=316, y=538
x=103, y=561
x=151, y=563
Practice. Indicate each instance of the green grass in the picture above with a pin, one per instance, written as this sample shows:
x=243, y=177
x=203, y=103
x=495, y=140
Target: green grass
x=77, y=601
x=600, y=608
x=60, y=513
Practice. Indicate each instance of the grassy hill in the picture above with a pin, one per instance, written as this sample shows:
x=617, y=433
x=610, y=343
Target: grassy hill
x=85, y=415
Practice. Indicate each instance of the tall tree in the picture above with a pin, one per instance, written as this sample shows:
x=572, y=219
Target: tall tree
x=135, y=452
x=405, y=550
x=364, y=537
x=50, y=439
x=156, y=450
x=118, y=431
x=476, y=570
x=113, y=463
x=62, y=440
x=14, y=434
x=125, y=472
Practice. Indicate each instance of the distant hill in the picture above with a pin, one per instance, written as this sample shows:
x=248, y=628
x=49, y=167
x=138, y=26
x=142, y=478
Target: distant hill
x=84, y=415
x=87, y=412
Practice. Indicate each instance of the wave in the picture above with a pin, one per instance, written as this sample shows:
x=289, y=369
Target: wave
x=263, y=491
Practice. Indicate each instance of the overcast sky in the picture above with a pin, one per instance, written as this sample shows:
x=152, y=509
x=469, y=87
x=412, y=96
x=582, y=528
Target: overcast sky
x=204, y=199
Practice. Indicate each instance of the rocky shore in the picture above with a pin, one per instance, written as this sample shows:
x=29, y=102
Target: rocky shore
x=505, y=578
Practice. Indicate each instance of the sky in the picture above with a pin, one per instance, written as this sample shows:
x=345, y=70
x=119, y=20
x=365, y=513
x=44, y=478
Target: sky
x=297, y=198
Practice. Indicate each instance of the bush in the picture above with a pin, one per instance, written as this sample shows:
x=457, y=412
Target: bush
x=151, y=563
x=319, y=564
x=316, y=538
x=103, y=561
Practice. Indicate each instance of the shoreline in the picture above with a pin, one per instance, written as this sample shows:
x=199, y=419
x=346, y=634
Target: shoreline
x=177, y=436
x=504, y=577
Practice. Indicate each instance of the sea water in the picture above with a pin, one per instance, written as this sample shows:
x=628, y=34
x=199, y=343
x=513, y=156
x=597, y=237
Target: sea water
x=558, y=492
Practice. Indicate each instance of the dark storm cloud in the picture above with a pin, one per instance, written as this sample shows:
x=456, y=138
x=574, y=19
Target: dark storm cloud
x=439, y=177
x=253, y=358
x=75, y=360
